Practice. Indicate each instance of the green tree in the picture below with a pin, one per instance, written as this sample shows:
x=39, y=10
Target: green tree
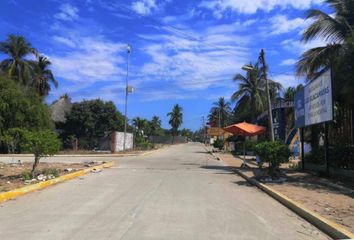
x=16, y=65
x=251, y=98
x=155, y=126
x=176, y=119
x=43, y=76
x=141, y=125
x=20, y=110
x=337, y=29
x=185, y=132
x=42, y=144
x=289, y=95
x=220, y=112
x=92, y=119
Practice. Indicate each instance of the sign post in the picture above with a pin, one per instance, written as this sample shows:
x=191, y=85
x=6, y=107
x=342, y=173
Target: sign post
x=313, y=105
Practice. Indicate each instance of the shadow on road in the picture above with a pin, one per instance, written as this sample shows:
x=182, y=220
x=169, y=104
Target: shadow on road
x=216, y=167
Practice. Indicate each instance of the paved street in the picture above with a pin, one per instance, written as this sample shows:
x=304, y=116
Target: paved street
x=180, y=192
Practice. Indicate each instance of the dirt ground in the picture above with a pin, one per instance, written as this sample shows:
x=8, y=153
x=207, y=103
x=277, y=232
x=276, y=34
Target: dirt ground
x=11, y=174
x=330, y=198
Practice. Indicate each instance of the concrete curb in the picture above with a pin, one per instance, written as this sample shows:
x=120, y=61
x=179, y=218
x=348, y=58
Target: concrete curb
x=38, y=186
x=334, y=230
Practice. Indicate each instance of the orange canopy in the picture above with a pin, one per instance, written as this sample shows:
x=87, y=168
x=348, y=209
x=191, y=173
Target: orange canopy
x=245, y=129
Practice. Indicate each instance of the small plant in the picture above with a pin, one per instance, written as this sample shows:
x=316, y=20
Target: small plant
x=26, y=175
x=273, y=153
x=52, y=171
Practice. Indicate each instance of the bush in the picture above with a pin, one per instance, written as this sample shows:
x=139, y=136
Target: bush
x=273, y=153
x=52, y=171
x=142, y=143
x=218, y=143
x=316, y=156
x=26, y=175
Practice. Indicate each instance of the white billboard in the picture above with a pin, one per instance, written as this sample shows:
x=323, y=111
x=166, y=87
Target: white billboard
x=314, y=104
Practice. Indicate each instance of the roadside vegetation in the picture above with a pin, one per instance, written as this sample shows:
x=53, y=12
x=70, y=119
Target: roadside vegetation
x=249, y=102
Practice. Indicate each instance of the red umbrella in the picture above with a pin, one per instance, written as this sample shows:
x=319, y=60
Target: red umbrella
x=245, y=129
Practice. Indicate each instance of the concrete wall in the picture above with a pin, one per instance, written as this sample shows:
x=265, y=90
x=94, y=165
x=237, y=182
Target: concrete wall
x=118, y=141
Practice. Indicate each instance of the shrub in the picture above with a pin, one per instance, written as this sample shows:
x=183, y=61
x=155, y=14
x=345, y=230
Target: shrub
x=26, y=175
x=142, y=143
x=218, y=143
x=273, y=153
x=52, y=171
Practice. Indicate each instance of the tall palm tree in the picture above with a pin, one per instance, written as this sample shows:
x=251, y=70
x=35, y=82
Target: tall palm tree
x=220, y=112
x=289, y=95
x=338, y=30
x=43, y=77
x=176, y=119
x=155, y=125
x=140, y=125
x=250, y=98
x=16, y=65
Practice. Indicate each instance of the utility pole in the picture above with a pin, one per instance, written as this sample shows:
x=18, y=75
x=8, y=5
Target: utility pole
x=126, y=97
x=219, y=119
x=270, y=114
x=204, y=129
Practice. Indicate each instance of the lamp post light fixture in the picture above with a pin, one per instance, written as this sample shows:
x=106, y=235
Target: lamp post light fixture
x=269, y=106
x=128, y=89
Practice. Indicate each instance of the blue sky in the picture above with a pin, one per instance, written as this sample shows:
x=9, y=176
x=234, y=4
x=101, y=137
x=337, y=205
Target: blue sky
x=184, y=51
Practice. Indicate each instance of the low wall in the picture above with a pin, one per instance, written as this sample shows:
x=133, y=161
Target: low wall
x=118, y=141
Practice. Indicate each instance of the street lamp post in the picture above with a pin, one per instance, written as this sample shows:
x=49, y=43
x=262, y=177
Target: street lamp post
x=129, y=48
x=269, y=106
x=270, y=114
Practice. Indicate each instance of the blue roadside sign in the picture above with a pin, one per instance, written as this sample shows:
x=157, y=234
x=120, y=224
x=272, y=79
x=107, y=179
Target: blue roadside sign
x=313, y=104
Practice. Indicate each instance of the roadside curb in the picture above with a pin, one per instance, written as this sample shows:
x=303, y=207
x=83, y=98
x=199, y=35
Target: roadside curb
x=38, y=186
x=334, y=230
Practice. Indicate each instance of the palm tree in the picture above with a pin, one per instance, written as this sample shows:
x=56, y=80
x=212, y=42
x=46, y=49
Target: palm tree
x=338, y=30
x=251, y=96
x=140, y=125
x=176, y=119
x=289, y=95
x=16, y=65
x=220, y=112
x=43, y=76
x=155, y=125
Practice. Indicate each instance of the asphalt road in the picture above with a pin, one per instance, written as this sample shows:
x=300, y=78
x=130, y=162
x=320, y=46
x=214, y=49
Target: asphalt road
x=180, y=192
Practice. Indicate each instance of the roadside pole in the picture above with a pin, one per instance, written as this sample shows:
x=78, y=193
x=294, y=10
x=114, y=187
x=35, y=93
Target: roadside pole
x=302, y=139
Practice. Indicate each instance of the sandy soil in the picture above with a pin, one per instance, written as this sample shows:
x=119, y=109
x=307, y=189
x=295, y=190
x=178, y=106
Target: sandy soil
x=324, y=196
x=11, y=174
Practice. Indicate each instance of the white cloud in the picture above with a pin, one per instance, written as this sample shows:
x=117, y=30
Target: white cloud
x=88, y=59
x=281, y=24
x=67, y=12
x=195, y=63
x=288, y=62
x=144, y=7
x=298, y=47
x=219, y=7
x=287, y=80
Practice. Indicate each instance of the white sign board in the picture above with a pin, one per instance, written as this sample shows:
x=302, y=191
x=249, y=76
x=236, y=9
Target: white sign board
x=314, y=104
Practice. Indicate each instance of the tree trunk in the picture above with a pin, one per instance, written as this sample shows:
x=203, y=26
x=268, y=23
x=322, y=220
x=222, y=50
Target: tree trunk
x=35, y=164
